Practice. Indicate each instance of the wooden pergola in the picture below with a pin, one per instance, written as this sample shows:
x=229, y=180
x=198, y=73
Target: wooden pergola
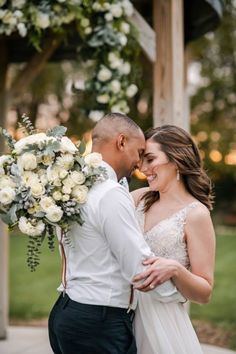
x=165, y=27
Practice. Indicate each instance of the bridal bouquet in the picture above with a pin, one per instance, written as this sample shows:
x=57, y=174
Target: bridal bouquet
x=44, y=182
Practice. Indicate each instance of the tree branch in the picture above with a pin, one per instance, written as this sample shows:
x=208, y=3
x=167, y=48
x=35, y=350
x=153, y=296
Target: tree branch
x=35, y=65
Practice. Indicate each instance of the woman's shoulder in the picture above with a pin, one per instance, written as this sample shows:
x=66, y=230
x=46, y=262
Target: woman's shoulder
x=138, y=194
x=198, y=212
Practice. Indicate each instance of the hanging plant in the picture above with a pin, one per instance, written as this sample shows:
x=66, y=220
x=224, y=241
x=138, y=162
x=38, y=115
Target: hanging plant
x=107, y=45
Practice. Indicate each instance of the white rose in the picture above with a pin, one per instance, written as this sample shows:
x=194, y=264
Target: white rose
x=80, y=194
x=53, y=173
x=131, y=90
x=120, y=107
x=108, y=17
x=85, y=22
x=125, y=27
x=67, y=146
x=42, y=20
x=65, y=161
x=96, y=6
x=68, y=182
x=22, y=29
x=18, y=13
x=128, y=8
x=88, y=30
x=125, y=68
x=65, y=197
x=30, y=178
x=37, y=190
x=77, y=177
x=27, y=161
x=9, y=19
x=115, y=86
x=54, y=213
x=46, y=202
x=31, y=139
x=116, y=10
x=96, y=115
x=57, y=195
x=32, y=228
x=114, y=60
x=18, y=3
x=2, y=172
x=6, y=181
x=7, y=195
x=63, y=174
x=47, y=159
x=123, y=39
x=103, y=98
x=66, y=190
x=104, y=74
x=93, y=160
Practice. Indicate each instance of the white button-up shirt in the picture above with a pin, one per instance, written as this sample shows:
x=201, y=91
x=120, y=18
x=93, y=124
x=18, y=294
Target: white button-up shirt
x=107, y=251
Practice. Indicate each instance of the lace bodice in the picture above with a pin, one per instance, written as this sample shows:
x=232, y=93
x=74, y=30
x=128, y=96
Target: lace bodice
x=166, y=238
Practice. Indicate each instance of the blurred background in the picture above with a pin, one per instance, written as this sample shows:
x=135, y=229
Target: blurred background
x=55, y=97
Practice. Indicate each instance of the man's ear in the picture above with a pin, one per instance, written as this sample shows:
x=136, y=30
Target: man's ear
x=121, y=142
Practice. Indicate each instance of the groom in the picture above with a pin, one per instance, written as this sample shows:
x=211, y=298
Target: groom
x=95, y=314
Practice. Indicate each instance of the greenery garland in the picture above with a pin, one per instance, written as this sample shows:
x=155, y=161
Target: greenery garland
x=108, y=45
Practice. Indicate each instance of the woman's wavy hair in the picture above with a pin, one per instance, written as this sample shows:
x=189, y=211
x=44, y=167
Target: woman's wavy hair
x=180, y=149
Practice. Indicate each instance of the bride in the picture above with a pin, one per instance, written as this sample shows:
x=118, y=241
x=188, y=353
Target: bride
x=174, y=216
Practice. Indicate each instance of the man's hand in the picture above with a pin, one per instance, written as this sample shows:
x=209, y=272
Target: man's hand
x=159, y=271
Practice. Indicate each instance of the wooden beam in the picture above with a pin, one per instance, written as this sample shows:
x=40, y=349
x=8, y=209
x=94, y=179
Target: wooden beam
x=168, y=94
x=146, y=35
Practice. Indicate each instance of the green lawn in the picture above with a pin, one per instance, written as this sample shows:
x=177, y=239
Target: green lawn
x=32, y=294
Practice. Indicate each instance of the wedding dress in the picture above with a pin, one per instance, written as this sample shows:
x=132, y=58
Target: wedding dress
x=165, y=328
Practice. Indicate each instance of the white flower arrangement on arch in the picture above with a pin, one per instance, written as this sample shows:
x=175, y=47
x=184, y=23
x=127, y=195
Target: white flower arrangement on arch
x=108, y=41
x=44, y=182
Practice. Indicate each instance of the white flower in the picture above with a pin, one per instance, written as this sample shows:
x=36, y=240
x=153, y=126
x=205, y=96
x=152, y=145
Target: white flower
x=42, y=20
x=120, y=107
x=103, y=98
x=125, y=27
x=116, y=10
x=27, y=161
x=18, y=3
x=54, y=213
x=65, y=197
x=9, y=19
x=69, y=183
x=93, y=160
x=57, y=195
x=128, y=8
x=115, y=86
x=131, y=90
x=67, y=146
x=35, y=209
x=96, y=6
x=77, y=177
x=65, y=161
x=37, y=190
x=123, y=39
x=32, y=229
x=18, y=13
x=22, y=29
x=6, y=181
x=47, y=159
x=46, y=202
x=30, y=178
x=96, y=115
x=88, y=30
x=115, y=61
x=7, y=195
x=125, y=68
x=85, y=22
x=80, y=193
x=108, y=17
x=104, y=74
x=66, y=190
x=2, y=172
x=31, y=139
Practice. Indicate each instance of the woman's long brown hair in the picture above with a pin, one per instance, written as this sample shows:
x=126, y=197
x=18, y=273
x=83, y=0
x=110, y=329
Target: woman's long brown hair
x=180, y=149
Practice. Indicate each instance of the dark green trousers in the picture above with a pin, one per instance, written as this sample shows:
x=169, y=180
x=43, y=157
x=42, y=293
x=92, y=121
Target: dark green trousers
x=76, y=328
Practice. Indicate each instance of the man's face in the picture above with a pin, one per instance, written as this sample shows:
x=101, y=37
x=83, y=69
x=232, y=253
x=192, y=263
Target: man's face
x=132, y=154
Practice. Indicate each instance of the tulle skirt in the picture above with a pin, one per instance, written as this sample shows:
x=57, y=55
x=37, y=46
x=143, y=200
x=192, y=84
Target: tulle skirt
x=164, y=328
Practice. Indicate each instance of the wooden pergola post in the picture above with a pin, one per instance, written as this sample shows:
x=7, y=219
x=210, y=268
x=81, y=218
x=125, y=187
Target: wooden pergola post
x=168, y=70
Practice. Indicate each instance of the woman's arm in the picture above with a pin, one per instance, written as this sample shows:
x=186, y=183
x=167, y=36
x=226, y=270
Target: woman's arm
x=196, y=285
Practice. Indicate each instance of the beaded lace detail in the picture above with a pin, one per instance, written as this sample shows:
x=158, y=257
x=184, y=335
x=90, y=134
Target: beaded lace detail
x=166, y=238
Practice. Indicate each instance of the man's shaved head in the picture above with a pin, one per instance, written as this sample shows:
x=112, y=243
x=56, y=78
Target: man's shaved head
x=112, y=125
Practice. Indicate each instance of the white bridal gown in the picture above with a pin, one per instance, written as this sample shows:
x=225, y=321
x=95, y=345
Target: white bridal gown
x=165, y=328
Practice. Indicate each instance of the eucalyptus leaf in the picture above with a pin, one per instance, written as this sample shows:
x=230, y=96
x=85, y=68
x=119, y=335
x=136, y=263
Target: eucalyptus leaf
x=82, y=147
x=57, y=131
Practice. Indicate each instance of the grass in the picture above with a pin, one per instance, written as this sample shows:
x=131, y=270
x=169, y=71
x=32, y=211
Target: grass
x=32, y=294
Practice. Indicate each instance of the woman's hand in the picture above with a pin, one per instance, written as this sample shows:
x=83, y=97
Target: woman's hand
x=159, y=270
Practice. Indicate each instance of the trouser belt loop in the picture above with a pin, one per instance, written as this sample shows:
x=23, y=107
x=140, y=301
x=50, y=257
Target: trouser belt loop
x=104, y=313
x=65, y=300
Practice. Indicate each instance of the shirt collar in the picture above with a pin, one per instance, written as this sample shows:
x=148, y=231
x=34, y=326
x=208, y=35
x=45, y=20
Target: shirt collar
x=110, y=171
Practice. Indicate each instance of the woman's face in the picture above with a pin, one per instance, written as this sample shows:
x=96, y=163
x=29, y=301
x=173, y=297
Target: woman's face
x=160, y=172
